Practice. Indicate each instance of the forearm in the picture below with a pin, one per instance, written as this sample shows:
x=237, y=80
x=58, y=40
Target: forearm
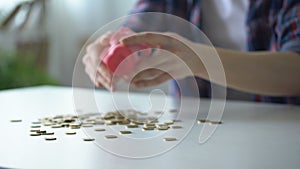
x=266, y=73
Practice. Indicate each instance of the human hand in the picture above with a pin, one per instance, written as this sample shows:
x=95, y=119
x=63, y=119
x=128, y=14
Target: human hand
x=95, y=69
x=174, y=58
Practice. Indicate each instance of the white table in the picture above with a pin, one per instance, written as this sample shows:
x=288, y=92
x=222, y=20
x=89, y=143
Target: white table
x=253, y=136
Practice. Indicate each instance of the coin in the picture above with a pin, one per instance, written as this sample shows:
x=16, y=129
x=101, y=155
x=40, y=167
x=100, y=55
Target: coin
x=35, y=134
x=34, y=130
x=125, y=132
x=41, y=131
x=36, y=126
x=88, y=139
x=110, y=136
x=48, y=133
x=148, y=128
x=16, y=120
x=132, y=126
x=50, y=138
x=170, y=139
x=99, y=129
x=169, y=122
x=56, y=126
x=36, y=122
x=74, y=126
x=200, y=121
x=176, y=121
x=70, y=132
x=86, y=125
x=176, y=127
x=162, y=127
x=215, y=122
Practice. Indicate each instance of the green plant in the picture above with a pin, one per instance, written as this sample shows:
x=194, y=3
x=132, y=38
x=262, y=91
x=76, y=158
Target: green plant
x=17, y=70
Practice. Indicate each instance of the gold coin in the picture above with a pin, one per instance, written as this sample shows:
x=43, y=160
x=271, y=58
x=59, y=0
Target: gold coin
x=163, y=127
x=170, y=139
x=48, y=133
x=37, y=126
x=99, y=122
x=215, y=122
x=99, y=129
x=86, y=125
x=70, y=132
x=200, y=121
x=132, y=126
x=110, y=136
x=88, y=139
x=176, y=127
x=47, y=124
x=74, y=126
x=35, y=134
x=125, y=132
x=50, y=138
x=169, y=122
x=110, y=122
x=34, y=130
x=36, y=122
x=148, y=128
x=16, y=120
x=176, y=121
x=41, y=131
x=56, y=126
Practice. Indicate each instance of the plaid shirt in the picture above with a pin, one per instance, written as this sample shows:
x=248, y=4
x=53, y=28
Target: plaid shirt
x=272, y=25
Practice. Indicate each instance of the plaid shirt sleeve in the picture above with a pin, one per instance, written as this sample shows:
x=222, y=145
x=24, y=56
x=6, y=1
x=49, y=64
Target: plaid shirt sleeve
x=287, y=26
x=139, y=23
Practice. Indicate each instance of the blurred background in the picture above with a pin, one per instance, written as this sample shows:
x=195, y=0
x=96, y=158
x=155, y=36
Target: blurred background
x=41, y=39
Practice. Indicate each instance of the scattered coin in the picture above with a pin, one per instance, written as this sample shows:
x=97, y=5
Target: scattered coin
x=176, y=121
x=74, y=126
x=36, y=122
x=56, y=126
x=176, y=127
x=149, y=125
x=99, y=122
x=132, y=126
x=70, y=132
x=148, y=128
x=35, y=134
x=34, y=130
x=99, y=129
x=50, y=138
x=41, y=131
x=36, y=126
x=125, y=132
x=169, y=122
x=162, y=127
x=48, y=133
x=16, y=120
x=110, y=136
x=47, y=124
x=215, y=122
x=170, y=139
x=200, y=121
x=88, y=139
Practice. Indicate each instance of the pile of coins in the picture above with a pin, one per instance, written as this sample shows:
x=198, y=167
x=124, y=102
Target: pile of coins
x=128, y=118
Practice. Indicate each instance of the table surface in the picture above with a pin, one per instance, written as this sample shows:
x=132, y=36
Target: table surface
x=253, y=135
